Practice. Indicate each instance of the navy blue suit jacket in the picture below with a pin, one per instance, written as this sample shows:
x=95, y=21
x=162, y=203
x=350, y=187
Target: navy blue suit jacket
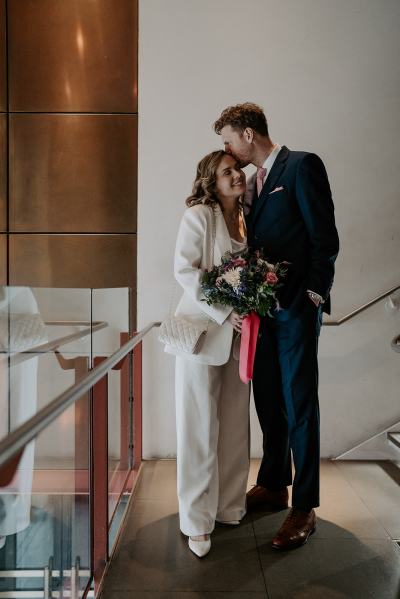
x=297, y=224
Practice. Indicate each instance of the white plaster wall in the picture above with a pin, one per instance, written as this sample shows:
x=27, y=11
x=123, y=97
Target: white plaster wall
x=327, y=74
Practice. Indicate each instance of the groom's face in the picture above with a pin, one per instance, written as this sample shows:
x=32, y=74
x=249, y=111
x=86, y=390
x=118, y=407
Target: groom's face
x=236, y=144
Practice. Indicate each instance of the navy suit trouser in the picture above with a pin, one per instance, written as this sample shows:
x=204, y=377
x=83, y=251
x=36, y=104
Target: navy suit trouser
x=285, y=384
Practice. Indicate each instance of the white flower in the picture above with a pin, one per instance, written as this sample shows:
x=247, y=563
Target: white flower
x=232, y=277
x=261, y=262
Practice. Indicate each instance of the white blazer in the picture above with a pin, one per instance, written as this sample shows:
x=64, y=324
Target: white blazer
x=192, y=254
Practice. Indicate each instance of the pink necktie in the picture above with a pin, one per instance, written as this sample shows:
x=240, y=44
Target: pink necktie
x=261, y=172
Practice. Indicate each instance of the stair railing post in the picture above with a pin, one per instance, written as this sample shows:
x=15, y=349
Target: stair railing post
x=99, y=476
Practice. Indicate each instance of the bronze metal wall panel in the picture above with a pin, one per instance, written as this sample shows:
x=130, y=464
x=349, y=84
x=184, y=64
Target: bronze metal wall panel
x=3, y=66
x=73, y=260
x=73, y=55
x=3, y=172
x=73, y=173
x=3, y=259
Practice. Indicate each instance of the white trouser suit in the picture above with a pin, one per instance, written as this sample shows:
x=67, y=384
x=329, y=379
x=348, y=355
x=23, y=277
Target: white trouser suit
x=212, y=404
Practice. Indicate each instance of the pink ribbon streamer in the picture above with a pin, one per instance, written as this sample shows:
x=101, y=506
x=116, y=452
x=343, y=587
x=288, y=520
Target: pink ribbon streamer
x=248, y=344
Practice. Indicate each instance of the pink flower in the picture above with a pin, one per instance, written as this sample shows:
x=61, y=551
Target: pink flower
x=271, y=278
x=239, y=262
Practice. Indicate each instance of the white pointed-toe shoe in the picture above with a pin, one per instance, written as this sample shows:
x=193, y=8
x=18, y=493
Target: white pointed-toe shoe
x=229, y=522
x=200, y=548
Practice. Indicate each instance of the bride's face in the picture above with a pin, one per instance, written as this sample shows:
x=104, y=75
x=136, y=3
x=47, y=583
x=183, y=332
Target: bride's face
x=230, y=179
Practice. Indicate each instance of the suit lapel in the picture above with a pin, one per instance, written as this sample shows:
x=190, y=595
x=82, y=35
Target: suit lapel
x=273, y=177
x=222, y=238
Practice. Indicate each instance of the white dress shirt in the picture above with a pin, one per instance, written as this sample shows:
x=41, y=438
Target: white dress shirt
x=269, y=161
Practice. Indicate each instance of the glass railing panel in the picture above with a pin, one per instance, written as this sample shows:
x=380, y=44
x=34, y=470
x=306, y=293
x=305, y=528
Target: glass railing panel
x=44, y=514
x=119, y=419
x=45, y=532
x=43, y=320
x=4, y=394
x=112, y=305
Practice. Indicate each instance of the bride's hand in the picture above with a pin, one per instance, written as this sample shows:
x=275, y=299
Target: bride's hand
x=236, y=321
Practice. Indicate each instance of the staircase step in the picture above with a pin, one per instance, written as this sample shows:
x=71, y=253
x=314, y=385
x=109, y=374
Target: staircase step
x=394, y=438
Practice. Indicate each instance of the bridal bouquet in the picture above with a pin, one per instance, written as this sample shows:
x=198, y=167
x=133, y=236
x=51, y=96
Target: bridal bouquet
x=247, y=282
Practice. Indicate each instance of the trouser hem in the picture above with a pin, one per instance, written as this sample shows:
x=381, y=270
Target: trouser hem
x=274, y=488
x=232, y=515
x=305, y=507
x=196, y=533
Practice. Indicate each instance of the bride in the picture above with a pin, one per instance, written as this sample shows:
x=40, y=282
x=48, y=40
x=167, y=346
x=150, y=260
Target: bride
x=212, y=403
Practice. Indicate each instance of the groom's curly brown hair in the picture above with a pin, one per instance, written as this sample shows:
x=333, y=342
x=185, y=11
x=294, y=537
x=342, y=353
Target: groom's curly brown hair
x=241, y=116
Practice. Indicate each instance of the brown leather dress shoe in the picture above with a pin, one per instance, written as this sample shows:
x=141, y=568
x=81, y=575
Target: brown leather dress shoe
x=260, y=497
x=295, y=530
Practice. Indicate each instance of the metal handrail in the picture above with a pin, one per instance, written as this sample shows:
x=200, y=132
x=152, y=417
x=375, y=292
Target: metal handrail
x=375, y=436
x=395, y=344
x=335, y=323
x=18, y=357
x=25, y=433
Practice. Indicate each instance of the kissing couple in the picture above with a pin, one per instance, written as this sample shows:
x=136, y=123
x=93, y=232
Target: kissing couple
x=285, y=210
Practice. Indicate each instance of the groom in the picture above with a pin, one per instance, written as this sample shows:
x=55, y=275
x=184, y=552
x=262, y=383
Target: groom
x=290, y=215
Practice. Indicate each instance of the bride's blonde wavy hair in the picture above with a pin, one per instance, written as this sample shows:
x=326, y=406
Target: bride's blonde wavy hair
x=204, y=186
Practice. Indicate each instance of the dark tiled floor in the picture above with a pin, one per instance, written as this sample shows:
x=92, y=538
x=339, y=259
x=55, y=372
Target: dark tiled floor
x=352, y=555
